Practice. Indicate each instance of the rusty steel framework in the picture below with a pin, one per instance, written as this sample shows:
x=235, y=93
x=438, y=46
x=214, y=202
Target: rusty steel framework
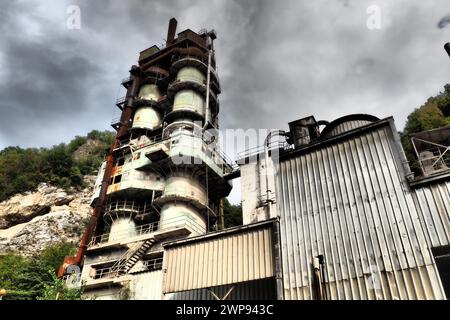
x=432, y=150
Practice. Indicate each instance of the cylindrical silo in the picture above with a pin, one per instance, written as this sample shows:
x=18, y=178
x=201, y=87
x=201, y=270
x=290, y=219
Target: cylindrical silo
x=191, y=74
x=147, y=117
x=184, y=196
x=189, y=100
x=149, y=92
x=122, y=228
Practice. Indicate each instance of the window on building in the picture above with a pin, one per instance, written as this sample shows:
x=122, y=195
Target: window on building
x=442, y=258
x=154, y=262
x=115, y=179
x=120, y=162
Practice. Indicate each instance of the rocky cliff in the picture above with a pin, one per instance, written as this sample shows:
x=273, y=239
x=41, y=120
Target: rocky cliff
x=31, y=221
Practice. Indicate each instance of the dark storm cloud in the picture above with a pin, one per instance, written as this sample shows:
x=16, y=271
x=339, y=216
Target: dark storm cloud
x=276, y=61
x=444, y=22
x=45, y=78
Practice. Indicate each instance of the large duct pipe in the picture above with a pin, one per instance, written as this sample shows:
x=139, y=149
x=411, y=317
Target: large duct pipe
x=266, y=157
x=95, y=221
x=208, y=85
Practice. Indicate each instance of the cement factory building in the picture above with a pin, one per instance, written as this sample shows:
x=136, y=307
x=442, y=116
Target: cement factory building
x=331, y=210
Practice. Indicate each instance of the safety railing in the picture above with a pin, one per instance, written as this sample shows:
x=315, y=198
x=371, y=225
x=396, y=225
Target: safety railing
x=224, y=162
x=434, y=160
x=177, y=222
x=127, y=79
x=111, y=272
x=120, y=235
x=220, y=159
x=254, y=151
x=115, y=120
x=125, y=205
x=121, y=100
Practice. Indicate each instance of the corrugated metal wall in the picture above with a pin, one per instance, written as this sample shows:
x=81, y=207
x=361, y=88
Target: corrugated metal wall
x=349, y=202
x=232, y=258
x=433, y=205
x=253, y=290
x=148, y=286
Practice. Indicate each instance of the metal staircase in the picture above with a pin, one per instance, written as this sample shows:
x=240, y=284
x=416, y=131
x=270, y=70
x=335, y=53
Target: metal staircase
x=129, y=259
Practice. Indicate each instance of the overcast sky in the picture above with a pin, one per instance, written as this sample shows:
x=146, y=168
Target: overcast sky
x=277, y=60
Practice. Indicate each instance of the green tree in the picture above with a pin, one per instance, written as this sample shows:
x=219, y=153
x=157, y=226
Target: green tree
x=435, y=113
x=57, y=289
x=23, y=169
x=28, y=278
x=76, y=143
x=232, y=214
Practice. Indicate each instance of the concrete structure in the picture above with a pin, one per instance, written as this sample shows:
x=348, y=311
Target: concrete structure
x=166, y=181
x=354, y=222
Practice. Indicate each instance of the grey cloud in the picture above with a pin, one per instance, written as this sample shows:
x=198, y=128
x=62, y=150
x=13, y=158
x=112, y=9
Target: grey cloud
x=277, y=62
x=444, y=22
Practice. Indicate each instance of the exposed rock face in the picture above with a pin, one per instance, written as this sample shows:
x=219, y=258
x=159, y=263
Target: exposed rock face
x=32, y=221
x=89, y=148
x=24, y=207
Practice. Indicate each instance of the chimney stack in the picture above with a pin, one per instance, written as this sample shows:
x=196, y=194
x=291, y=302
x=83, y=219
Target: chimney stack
x=171, y=32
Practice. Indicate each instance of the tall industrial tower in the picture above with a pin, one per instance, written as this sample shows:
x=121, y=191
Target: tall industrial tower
x=164, y=177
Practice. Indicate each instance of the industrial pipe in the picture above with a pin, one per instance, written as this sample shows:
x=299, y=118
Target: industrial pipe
x=266, y=155
x=171, y=31
x=98, y=210
x=208, y=83
x=317, y=278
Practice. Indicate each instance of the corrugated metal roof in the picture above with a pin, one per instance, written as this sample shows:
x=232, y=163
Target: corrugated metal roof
x=220, y=259
x=347, y=123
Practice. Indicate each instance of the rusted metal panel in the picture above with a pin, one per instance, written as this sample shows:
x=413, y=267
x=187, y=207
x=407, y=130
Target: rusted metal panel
x=350, y=202
x=215, y=261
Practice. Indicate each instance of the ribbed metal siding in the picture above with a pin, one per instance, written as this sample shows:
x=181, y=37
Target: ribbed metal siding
x=348, y=202
x=253, y=290
x=433, y=205
x=147, y=285
x=233, y=258
x=347, y=126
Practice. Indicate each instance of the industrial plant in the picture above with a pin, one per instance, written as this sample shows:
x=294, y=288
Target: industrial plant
x=331, y=210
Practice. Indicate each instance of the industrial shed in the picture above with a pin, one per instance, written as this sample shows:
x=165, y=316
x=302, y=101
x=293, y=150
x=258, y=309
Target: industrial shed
x=354, y=223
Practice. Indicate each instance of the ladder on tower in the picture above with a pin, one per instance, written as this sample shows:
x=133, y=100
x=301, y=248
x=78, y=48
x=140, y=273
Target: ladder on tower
x=129, y=259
